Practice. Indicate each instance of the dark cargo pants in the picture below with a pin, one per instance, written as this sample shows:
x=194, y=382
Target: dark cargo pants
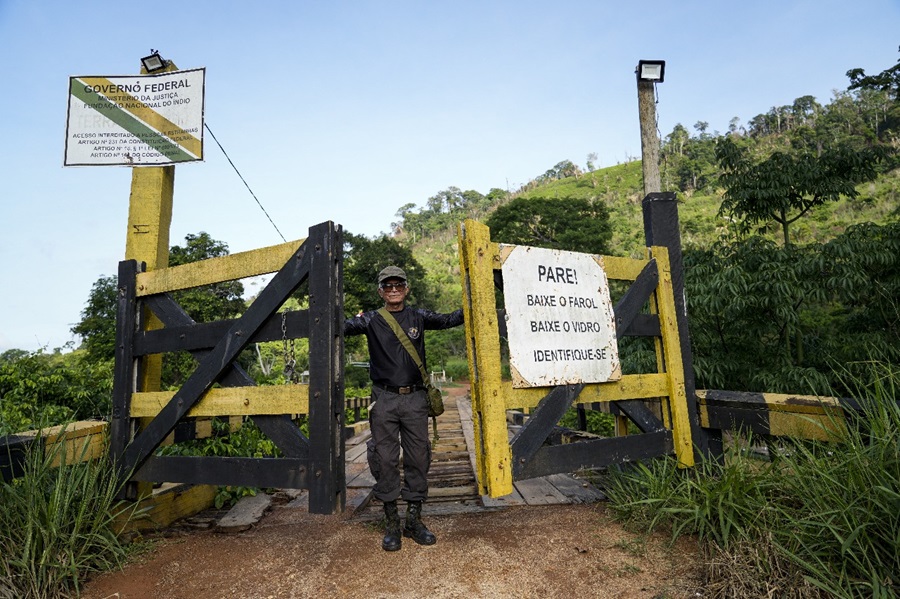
x=399, y=421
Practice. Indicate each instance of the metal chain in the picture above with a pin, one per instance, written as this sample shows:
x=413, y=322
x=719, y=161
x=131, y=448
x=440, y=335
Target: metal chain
x=290, y=361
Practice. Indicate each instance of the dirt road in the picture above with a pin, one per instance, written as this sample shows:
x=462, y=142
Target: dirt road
x=550, y=551
x=553, y=551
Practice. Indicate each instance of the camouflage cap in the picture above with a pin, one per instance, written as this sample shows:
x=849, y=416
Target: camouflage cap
x=391, y=272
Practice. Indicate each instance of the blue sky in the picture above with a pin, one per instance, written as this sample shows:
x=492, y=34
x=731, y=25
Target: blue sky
x=346, y=111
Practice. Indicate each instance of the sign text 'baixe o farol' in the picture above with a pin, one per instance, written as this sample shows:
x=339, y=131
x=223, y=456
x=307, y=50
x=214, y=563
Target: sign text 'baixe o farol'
x=560, y=319
x=138, y=120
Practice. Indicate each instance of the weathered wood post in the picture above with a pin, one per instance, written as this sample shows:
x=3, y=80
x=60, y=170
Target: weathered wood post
x=327, y=478
x=661, y=229
x=147, y=242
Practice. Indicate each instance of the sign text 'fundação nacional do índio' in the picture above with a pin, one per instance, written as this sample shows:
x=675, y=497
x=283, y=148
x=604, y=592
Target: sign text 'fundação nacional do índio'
x=139, y=120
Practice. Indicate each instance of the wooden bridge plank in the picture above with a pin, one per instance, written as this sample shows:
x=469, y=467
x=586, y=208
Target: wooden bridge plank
x=538, y=491
x=245, y=513
x=575, y=490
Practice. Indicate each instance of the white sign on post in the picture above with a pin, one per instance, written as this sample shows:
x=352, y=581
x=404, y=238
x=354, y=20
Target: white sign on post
x=560, y=320
x=139, y=120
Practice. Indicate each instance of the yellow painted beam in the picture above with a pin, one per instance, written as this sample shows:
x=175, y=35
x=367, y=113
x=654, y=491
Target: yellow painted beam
x=821, y=427
x=231, y=401
x=674, y=367
x=809, y=404
x=81, y=441
x=789, y=415
x=73, y=430
x=622, y=269
x=630, y=386
x=216, y=270
x=479, y=257
x=167, y=504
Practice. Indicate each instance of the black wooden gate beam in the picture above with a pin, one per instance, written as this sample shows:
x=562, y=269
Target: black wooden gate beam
x=661, y=229
x=327, y=482
x=219, y=359
x=639, y=292
x=280, y=429
x=536, y=430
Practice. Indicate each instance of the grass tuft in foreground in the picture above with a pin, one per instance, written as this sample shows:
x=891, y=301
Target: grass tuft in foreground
x=820, y=520
x=58, y=524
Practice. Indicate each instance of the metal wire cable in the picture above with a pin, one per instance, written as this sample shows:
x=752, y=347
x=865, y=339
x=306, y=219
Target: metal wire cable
x=244, y=181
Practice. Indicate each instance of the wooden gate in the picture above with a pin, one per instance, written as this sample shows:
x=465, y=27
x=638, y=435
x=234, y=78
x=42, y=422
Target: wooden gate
x=220, y=387
x=499, y=460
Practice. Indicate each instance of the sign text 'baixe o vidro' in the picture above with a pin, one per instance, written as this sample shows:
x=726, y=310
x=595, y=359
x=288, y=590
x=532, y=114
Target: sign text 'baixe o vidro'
x=560, y=319
x=139, y=120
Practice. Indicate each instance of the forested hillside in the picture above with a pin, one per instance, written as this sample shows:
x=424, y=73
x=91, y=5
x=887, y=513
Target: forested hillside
x=789, y=225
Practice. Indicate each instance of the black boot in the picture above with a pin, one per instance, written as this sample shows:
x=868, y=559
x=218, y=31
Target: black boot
x=392, y=540
x=414, y=528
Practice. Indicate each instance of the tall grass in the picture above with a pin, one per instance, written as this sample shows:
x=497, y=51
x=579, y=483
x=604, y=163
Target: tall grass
x=821, y=520
x=58, y=524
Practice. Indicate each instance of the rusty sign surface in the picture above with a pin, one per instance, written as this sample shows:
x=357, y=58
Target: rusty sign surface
x=560, y=320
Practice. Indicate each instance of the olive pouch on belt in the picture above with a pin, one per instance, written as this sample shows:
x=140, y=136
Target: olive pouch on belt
x=435, y=401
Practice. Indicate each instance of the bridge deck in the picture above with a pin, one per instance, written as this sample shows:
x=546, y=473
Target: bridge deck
x=453, y=487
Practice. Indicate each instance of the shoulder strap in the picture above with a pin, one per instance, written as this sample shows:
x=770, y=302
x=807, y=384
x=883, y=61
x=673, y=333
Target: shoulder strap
x=405, y=342
x=408, y=346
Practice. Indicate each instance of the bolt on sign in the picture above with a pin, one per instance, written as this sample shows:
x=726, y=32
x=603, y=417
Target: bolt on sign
x=560, y=320
x=138, y=120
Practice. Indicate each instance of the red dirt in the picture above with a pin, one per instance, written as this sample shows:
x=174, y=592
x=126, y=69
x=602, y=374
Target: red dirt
x=548, y=551
x=569, y=551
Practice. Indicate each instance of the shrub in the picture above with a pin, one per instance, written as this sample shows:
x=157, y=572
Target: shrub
x=820, y=520
x=457, y=368
x=58, y=524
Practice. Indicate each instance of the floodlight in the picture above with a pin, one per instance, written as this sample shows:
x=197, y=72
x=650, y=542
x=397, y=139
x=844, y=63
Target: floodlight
x=651, y=70
x=154, y=62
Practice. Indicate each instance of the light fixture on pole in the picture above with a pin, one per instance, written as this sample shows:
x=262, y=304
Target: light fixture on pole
x=651, y=70
x=649, y=73
x=154, y=62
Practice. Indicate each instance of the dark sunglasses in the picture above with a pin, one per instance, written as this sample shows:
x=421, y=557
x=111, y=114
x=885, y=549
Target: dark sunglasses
x=389, y=286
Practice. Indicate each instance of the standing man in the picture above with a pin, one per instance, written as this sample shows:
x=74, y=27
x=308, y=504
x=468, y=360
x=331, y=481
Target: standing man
x=399, y=410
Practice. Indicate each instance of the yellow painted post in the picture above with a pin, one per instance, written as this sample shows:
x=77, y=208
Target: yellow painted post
x=147, y=241
x=674, y=367
x=478, y=259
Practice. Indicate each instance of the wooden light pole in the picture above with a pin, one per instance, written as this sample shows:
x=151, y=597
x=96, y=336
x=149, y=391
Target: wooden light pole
x=649, y=73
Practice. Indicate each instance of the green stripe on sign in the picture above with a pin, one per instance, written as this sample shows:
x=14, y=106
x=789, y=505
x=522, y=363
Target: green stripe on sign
x=117, y=115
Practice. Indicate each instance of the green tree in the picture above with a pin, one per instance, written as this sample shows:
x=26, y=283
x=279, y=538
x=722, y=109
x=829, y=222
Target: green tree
x=785, y=185
x=574, y=224
x=872, y=88
x=746, y=302
x=218, y=301
x=97, y=327
x=794, y=319
x=363, y=260
x=45, y=389
x=887, y=80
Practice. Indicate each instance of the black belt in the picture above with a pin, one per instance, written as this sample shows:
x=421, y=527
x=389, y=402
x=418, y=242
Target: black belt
x=400, y=390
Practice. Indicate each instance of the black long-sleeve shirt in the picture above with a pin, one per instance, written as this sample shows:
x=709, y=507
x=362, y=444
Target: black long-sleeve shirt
x=389, y=362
